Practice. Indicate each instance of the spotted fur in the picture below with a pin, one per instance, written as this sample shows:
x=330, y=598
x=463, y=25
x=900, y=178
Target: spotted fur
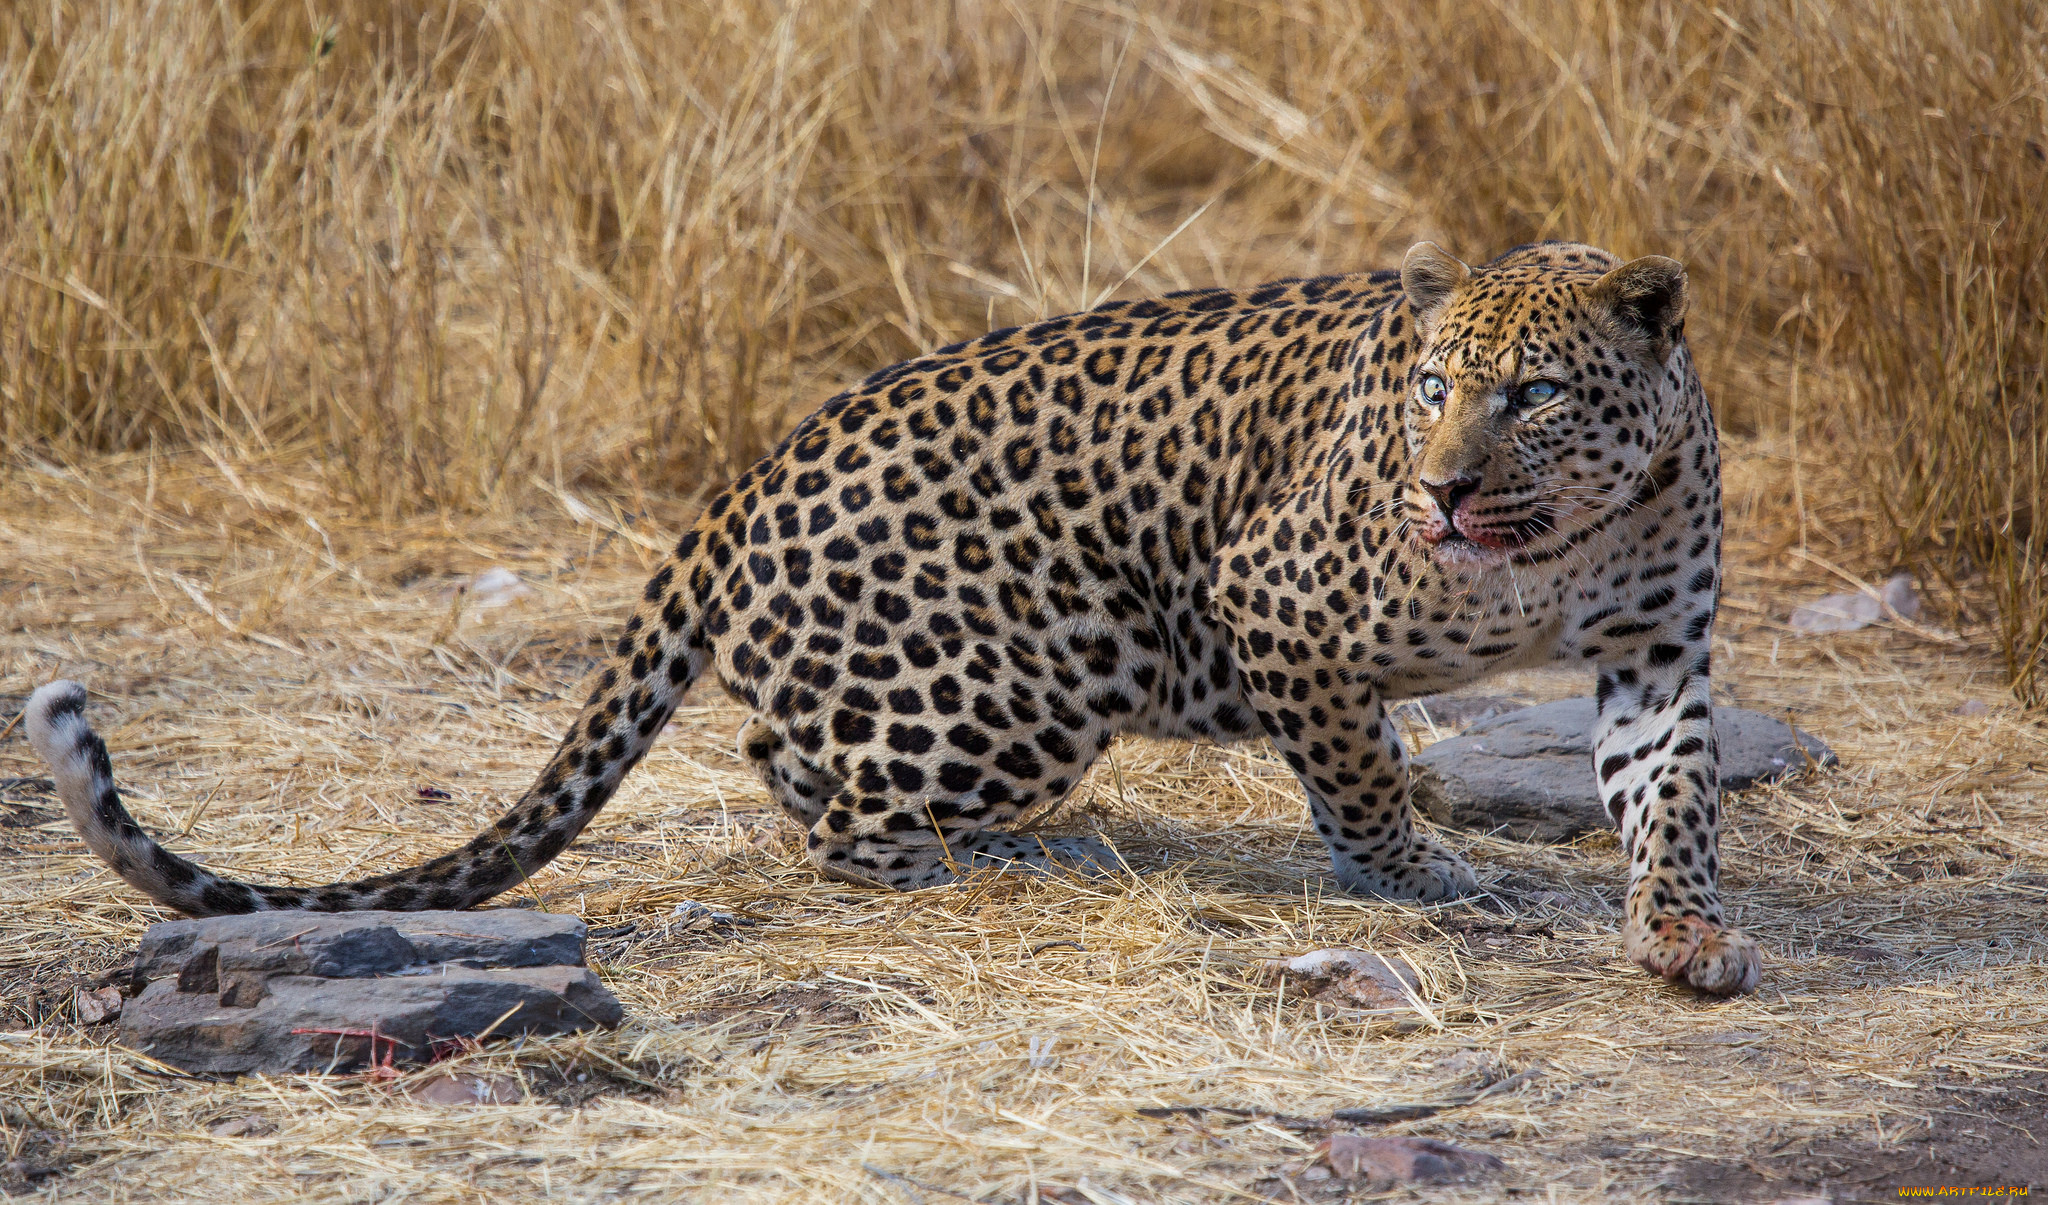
x=1214, y=515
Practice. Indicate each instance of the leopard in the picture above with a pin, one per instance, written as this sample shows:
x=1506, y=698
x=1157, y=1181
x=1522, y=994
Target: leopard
x=1216, y=515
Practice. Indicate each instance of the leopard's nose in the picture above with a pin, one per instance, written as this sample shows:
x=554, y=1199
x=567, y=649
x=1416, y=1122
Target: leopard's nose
x=1449, y=493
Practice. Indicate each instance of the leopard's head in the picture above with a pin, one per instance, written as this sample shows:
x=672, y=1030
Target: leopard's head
x=1544, y=381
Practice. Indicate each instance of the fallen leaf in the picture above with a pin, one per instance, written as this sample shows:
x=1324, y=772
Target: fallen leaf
x=1390, y=1161
x=1346, y=978
x=468, y=1090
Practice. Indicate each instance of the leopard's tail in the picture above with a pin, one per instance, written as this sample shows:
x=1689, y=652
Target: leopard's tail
x=664, y=648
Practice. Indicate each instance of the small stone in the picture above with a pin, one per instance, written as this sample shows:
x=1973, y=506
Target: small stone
x=1345, y=978
x=1386, y=1162
x=496, y=588
x=1530, y=771
x=468, y=1090
x=1849, y=612
x=97, y=1006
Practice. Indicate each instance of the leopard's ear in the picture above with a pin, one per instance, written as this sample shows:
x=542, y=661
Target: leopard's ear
x=1429, y=275
x=1644, y=299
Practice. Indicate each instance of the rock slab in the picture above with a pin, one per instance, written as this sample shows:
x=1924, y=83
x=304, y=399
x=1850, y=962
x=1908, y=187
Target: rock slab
x=1530, y=772
x=296, y=991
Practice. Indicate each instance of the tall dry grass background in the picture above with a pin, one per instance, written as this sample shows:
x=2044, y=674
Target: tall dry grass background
x=449, y=253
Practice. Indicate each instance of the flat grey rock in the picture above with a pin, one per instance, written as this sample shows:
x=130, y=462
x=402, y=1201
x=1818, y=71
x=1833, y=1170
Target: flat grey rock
x=1530, y=772
x=1455, y=712
x=305, y=1023
x=297, y=991
x=351, y=945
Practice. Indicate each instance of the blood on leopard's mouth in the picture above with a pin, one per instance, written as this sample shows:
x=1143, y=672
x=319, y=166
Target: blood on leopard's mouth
x=1459, y=541
x=1497, y=539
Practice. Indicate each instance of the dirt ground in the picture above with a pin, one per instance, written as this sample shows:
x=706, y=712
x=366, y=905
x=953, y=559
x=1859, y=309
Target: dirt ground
x=291, y=694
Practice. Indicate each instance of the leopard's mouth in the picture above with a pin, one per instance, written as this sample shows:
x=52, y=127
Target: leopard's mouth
x=1459, y=541
x=1454, y=547
x=1498, y=540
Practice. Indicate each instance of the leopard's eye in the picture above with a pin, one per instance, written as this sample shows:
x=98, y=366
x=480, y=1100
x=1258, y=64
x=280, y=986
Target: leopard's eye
x=1434, y=390
x=1535, y=393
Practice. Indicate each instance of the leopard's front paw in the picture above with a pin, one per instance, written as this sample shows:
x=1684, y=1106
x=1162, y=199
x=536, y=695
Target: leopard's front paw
x=1686, y=949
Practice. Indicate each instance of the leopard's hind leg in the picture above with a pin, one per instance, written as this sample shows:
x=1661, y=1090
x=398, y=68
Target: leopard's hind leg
x=904, y=825
x=906, y=858
x=805, y=791
x=801, y=787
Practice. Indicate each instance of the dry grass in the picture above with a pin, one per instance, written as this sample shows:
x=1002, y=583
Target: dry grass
x=276, y=694
x=431, y=255
x=305, y=317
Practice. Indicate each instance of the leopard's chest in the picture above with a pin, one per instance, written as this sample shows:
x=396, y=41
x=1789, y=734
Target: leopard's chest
x=1372, y=607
